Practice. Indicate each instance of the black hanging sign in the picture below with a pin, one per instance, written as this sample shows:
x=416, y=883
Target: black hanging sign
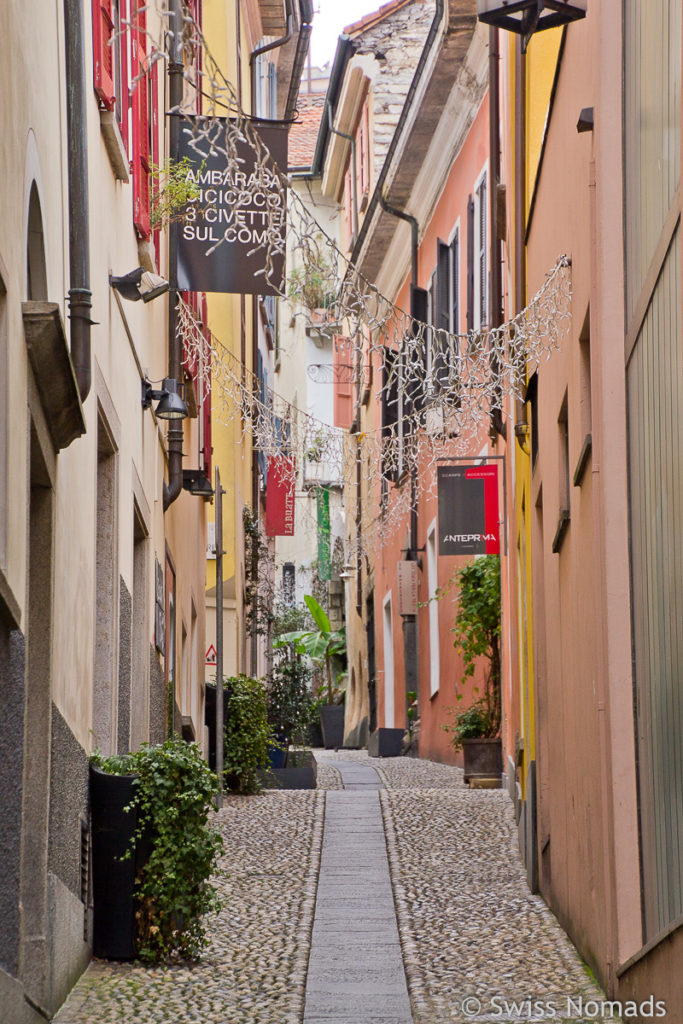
x=223, y=234
x=468, y=510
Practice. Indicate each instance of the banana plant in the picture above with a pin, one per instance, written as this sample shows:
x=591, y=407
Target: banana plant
x=319, y=644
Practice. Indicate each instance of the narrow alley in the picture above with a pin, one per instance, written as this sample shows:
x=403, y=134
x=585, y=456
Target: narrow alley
x=475, y=944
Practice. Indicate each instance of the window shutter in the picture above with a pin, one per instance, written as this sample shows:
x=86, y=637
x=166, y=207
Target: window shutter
x=416, y=355
x=483, y=279
x=141, y=155
x=154, y=143
x=470, y=264
x=390, y=391
x=365, y=151
x=348, y=219
x=342, y=368
x=442, y=318
x=103, y=52
x=455, y=284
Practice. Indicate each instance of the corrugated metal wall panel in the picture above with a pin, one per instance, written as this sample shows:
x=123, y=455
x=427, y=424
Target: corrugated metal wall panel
x=655, y=408
x=652, y=122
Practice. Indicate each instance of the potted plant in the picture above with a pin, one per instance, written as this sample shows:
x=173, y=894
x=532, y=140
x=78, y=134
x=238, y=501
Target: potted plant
x=160, y=844
x=314, y=285
x=321, y=645
x=475, y=730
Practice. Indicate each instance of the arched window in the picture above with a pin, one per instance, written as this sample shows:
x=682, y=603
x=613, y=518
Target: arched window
x=36, y=271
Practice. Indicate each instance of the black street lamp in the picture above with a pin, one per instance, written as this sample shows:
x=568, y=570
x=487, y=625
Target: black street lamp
x=528, y=16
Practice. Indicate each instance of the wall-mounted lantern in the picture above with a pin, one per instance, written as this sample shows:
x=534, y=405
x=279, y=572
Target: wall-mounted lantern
x=528, y=16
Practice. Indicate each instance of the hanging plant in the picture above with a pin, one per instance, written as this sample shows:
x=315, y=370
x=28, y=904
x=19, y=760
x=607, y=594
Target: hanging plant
x=172, y=188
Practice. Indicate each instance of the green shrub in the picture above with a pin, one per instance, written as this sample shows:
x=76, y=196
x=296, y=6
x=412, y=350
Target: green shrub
x=173, y=798
x=247, y=734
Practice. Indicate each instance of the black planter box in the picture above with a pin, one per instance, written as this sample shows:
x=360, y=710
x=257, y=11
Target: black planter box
x=483, y=760
x=294, y=776
x=386, y=742
x=113, y=830
x=332, y=723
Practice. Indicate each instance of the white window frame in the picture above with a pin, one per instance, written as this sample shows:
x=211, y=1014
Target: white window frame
x=432, y=584
x=388, y=637
x=455, y=233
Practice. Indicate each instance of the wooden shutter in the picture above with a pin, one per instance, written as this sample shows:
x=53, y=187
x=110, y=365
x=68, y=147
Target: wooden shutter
x=141, y=135
x=416, y=355
x=441, y=317
x=470, y=264
x=455, y=284
x=483, y=277
x=342, y=367
x=103, y=52
x=390, y=410
x=348, y=215
x=154, y=144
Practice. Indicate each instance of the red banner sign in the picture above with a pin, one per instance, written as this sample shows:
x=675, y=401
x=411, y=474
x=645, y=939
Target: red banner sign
x=280, y=489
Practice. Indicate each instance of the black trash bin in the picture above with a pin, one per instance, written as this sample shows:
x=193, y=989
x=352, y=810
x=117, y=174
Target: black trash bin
x=113, y=830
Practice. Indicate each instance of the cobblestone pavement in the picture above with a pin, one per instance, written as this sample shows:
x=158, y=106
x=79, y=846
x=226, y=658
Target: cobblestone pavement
x=255, y=967
x=474, y=940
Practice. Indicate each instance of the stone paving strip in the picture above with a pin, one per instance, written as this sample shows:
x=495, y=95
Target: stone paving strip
x=254, y=970
x=477, y=945
x=355, y=970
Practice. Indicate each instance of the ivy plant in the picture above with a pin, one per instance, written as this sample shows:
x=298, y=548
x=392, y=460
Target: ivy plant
x=476, y=636
x=173, y=799
x=247, y=733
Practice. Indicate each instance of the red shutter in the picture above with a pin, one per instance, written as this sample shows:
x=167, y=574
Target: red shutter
x=342, y=368
x=154, y=105
x=103, y=52
x=124, y=99
x=140, y=137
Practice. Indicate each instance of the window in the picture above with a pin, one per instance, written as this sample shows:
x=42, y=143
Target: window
x=289, y=583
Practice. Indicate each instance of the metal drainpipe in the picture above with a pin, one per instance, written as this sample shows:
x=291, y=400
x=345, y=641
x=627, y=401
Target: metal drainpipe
x=354, y=184
x=521, y=425
x=497, y=421
x=276, y=42
x=174, y=436
x=80, y=296
x=410, y=652
x=415, y=229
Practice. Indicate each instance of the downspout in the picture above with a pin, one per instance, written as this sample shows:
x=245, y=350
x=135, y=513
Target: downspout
x=174, y=437
x=306, y=10
x=496, y=313
x=521, y=425
x=80, y=296
x=410, y=651
x=354, y=184
x=275, y=44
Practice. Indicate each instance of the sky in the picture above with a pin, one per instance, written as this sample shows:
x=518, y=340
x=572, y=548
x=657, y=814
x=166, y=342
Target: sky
x=330, y=17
